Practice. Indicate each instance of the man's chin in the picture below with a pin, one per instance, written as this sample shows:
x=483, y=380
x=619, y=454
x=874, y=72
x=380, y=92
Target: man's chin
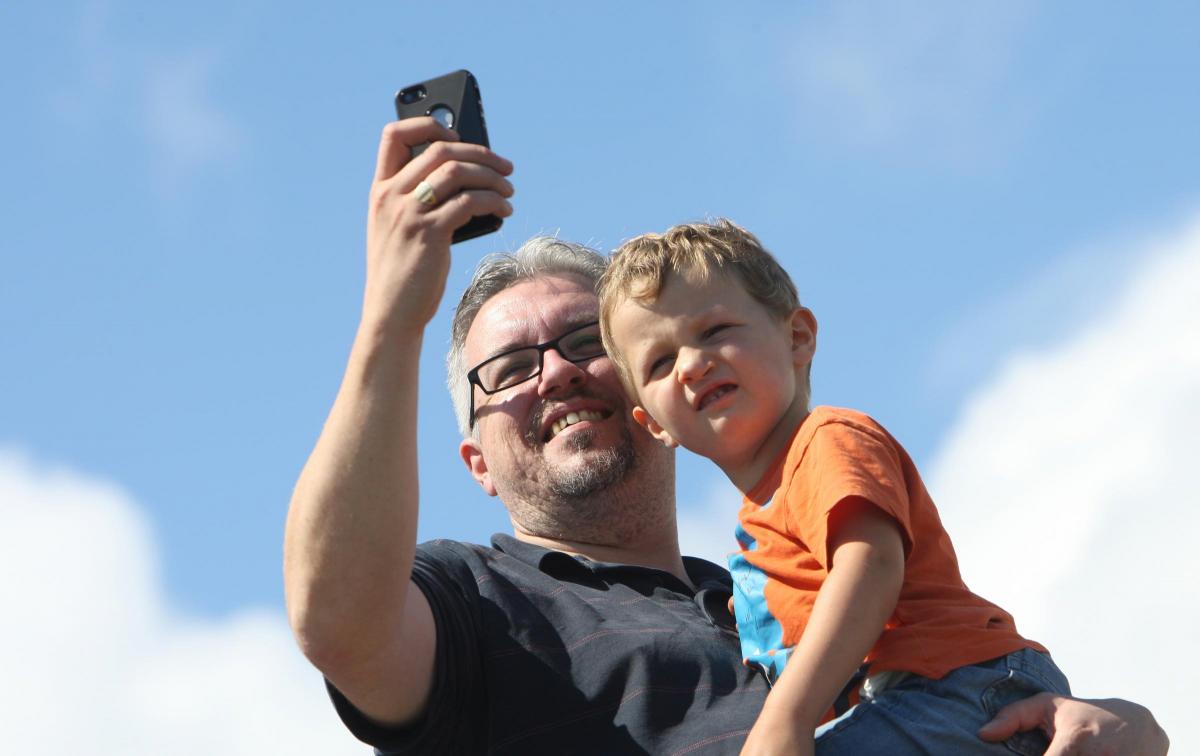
x=578, y=440
x=585, y=462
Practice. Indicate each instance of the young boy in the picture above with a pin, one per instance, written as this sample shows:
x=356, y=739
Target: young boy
x=843, y=557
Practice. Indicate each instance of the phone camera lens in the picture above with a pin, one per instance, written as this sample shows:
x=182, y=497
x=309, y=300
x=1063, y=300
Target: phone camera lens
x=412, y=94
x=443, y=115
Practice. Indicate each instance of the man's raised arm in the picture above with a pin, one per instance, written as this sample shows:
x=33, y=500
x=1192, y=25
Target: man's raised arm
x=352, y=525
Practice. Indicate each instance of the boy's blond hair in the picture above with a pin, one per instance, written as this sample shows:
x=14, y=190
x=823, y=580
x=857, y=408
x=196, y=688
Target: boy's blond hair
x=639, y=268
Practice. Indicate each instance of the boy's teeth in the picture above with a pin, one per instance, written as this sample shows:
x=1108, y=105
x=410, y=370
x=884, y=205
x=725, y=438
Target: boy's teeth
x=571, y=418
x=715, y=395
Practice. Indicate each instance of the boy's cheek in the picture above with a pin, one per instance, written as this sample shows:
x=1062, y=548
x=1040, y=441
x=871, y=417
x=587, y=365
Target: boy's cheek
x=651, y=409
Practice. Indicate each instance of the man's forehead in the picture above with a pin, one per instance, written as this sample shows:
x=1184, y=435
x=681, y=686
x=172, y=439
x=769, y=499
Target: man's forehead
x=531, y=312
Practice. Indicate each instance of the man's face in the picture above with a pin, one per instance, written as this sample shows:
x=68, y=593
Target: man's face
x=565, y=435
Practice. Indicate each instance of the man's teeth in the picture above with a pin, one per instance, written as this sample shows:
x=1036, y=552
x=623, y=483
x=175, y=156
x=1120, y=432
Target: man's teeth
x=571, y=418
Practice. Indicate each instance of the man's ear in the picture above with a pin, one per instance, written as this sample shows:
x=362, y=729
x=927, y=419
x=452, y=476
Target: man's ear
x=472, y=455
x=642, y=418
x=804, y=336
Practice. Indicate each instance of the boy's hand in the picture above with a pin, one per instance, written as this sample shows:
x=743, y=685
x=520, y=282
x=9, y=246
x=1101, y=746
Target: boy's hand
x=778, y=736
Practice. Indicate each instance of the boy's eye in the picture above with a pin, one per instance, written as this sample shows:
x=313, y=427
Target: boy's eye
x=714, y=330
x=659, y=365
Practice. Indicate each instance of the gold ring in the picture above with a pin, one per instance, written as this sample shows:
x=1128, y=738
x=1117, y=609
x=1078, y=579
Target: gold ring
x=424, y=194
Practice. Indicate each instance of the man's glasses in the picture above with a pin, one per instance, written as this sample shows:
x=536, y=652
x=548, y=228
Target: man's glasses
x=523, y=363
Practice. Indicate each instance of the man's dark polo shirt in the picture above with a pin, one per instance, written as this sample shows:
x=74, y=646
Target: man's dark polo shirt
x=539, y=652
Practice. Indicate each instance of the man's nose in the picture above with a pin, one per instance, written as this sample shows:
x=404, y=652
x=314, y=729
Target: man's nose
x=691, y=365
x=558, y=372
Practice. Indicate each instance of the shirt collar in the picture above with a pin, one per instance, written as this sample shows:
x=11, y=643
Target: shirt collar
x=560, y=564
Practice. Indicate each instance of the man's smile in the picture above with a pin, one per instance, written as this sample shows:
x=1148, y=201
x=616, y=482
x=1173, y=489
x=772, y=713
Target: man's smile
x=557, y=415
x=569, y=419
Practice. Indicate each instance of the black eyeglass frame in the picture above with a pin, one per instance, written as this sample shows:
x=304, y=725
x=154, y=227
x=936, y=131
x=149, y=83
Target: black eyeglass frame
x=473, y=373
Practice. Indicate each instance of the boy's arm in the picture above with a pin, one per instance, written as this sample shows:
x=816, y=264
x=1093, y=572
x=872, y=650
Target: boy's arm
x=866, y=570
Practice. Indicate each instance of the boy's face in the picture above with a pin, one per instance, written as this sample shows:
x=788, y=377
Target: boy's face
x=713, y=369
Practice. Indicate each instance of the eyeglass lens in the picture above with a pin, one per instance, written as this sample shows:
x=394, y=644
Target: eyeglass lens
x=510, y=369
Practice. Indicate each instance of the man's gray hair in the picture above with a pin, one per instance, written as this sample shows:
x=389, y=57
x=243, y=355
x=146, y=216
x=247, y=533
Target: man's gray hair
x=538, y=257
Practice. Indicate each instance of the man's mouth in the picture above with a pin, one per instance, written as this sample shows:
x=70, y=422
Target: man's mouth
x=715, y=394
x=569, y=419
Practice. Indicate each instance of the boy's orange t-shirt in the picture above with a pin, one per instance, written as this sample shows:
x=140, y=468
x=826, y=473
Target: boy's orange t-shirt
x=938, y=624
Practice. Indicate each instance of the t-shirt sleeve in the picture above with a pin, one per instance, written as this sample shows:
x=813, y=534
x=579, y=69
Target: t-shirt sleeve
x=456, y=702
x=845, y=460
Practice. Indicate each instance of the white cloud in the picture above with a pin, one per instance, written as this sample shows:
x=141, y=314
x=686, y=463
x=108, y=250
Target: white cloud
x=706, y=527
x=88, y=89
x=1068, y=487
x=185, y=126
x=95, y=659
x=1070, y=291
x=932, y=75
x=119, y=88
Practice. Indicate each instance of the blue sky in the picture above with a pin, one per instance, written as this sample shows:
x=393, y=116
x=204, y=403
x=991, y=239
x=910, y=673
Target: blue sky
x=956, y=189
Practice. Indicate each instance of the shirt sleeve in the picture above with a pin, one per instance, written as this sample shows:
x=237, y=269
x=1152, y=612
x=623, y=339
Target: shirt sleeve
x=456, y=703
x=845, y=460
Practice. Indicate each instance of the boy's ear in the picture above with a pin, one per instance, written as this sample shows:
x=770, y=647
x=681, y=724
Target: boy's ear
x=804, y=336
x=642, y=418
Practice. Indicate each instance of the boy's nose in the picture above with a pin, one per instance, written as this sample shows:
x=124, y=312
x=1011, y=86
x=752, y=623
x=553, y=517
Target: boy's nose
x=691, y=365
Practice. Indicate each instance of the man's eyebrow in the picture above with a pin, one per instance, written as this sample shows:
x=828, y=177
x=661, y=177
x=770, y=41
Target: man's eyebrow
x=570, y=324
x=505, y=347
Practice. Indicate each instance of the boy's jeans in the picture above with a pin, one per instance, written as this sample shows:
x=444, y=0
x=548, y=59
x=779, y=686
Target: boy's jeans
x=923, y=716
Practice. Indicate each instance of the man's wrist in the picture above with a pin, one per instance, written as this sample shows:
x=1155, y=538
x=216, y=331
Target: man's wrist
x=383, y=329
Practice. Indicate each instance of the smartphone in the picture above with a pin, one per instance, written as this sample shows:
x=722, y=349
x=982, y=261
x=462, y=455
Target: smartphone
x=454, y=101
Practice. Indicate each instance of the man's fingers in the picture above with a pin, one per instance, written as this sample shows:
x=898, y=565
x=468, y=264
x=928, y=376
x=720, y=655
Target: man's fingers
x=441, y=153
x=1020, y=716
x=1062, y=748
x=398, y=139
x=465, y=205
x=451, y=178
x=1078, y=727
x=442, y=188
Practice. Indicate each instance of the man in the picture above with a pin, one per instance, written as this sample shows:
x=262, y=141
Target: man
x=586, y=633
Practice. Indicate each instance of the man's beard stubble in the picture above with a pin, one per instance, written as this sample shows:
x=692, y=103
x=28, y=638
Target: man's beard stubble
x=583, y=501
x=604, y=470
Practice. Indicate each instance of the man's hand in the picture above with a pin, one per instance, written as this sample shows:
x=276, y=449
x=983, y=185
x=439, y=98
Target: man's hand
x=408, y=242
x=1078, y=727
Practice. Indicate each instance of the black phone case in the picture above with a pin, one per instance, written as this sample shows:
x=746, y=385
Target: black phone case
x=459, y=92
